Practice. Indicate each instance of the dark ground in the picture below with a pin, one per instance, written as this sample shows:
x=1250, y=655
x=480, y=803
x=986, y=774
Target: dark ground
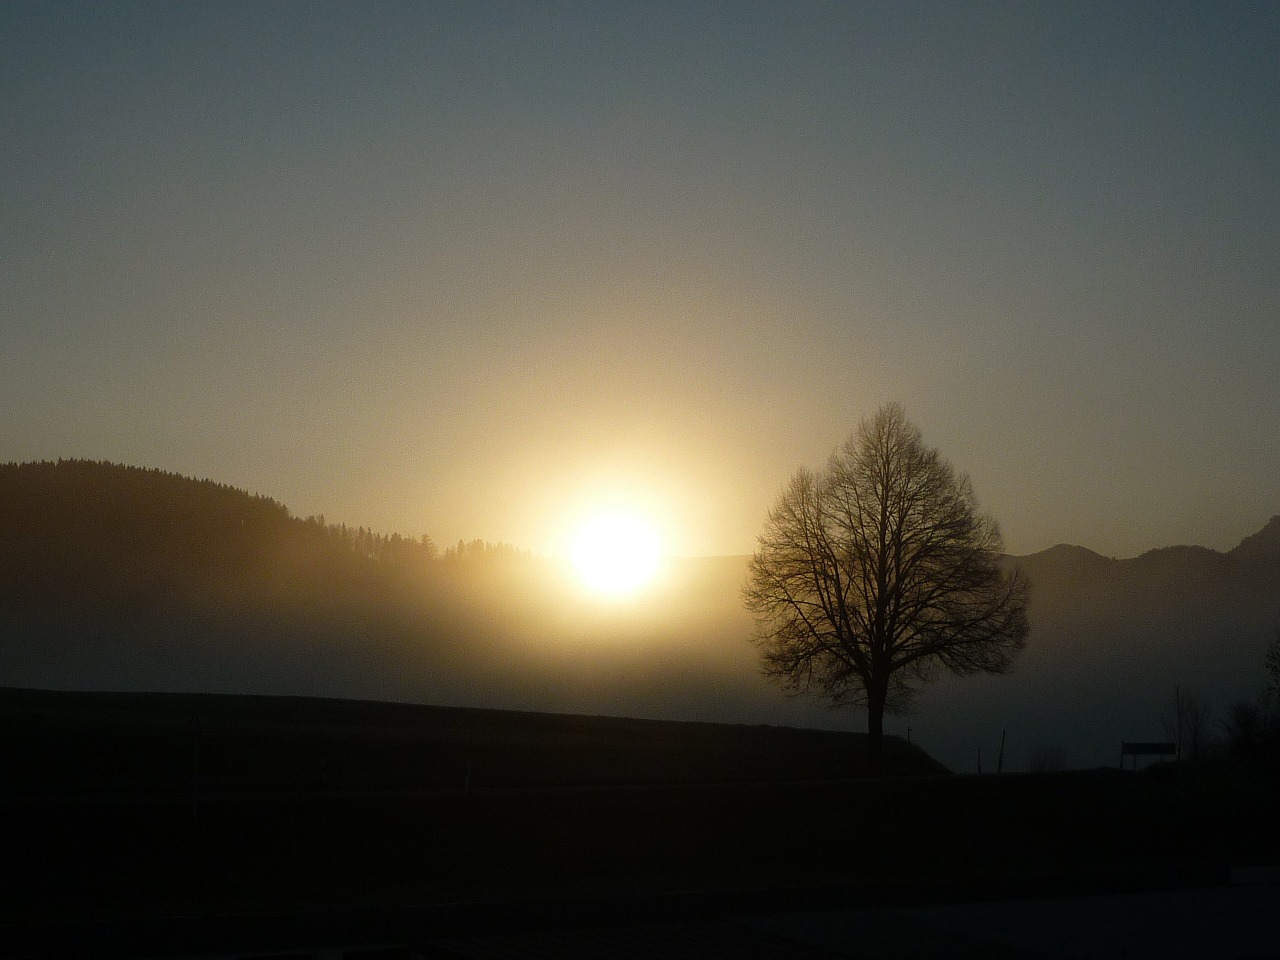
x=121, y=809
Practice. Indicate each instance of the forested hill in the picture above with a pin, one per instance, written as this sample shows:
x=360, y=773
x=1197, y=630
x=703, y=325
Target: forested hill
x=82, y=530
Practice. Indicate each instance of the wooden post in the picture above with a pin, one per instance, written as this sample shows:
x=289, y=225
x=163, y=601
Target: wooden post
x=193, y=734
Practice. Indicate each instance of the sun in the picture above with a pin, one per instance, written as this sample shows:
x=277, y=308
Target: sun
x=615, y=552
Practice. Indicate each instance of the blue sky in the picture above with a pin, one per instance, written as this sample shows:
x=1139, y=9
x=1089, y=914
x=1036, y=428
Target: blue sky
x=460, y=267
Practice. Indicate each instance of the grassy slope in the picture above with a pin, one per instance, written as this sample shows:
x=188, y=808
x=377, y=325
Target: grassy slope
x=116, y=743
x=306, y=803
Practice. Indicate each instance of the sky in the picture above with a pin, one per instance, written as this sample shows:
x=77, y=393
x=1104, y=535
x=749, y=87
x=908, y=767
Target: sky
x=465, y=268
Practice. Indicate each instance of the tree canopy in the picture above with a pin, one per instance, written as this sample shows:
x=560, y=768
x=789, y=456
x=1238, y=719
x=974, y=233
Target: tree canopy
x=874, y=573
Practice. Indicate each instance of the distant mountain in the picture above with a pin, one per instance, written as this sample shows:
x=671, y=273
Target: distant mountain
x=1110, y=638
x=1065, y=555
x=1262, y=547
x=1259, y=549
x=1062, y=560
x=116, y=578
x=1175, y=575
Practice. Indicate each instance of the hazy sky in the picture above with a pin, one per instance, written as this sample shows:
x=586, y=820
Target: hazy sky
x=460, y=267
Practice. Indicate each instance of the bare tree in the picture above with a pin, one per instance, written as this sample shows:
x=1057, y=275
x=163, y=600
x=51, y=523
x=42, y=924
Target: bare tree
x=1186, y=721
x=872, y=574
x=1198, y=720
x=1253, y=728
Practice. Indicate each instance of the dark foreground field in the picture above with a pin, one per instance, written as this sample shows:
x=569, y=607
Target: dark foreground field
x=136, y=807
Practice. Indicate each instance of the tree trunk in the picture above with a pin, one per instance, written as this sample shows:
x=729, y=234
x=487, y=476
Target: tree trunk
x=875, y=725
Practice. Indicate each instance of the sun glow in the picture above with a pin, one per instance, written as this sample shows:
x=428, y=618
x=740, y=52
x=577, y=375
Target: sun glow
x=615, y=552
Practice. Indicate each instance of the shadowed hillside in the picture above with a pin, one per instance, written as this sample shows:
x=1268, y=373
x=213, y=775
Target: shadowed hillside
x=109, y=539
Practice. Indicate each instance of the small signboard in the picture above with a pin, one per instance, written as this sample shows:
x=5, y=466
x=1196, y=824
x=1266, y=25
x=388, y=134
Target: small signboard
x=1137, y=748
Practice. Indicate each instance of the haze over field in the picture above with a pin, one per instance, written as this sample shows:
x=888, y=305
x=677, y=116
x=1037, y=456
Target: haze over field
x=461, y=268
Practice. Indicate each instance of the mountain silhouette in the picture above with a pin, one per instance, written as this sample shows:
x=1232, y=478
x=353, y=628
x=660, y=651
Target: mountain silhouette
x=1262, y=547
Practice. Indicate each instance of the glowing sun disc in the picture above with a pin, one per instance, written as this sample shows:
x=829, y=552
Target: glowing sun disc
x=615, y=552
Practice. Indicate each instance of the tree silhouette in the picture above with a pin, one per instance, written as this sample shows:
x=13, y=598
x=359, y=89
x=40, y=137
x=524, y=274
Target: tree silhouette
x=873, y=573
x=1186, y=718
